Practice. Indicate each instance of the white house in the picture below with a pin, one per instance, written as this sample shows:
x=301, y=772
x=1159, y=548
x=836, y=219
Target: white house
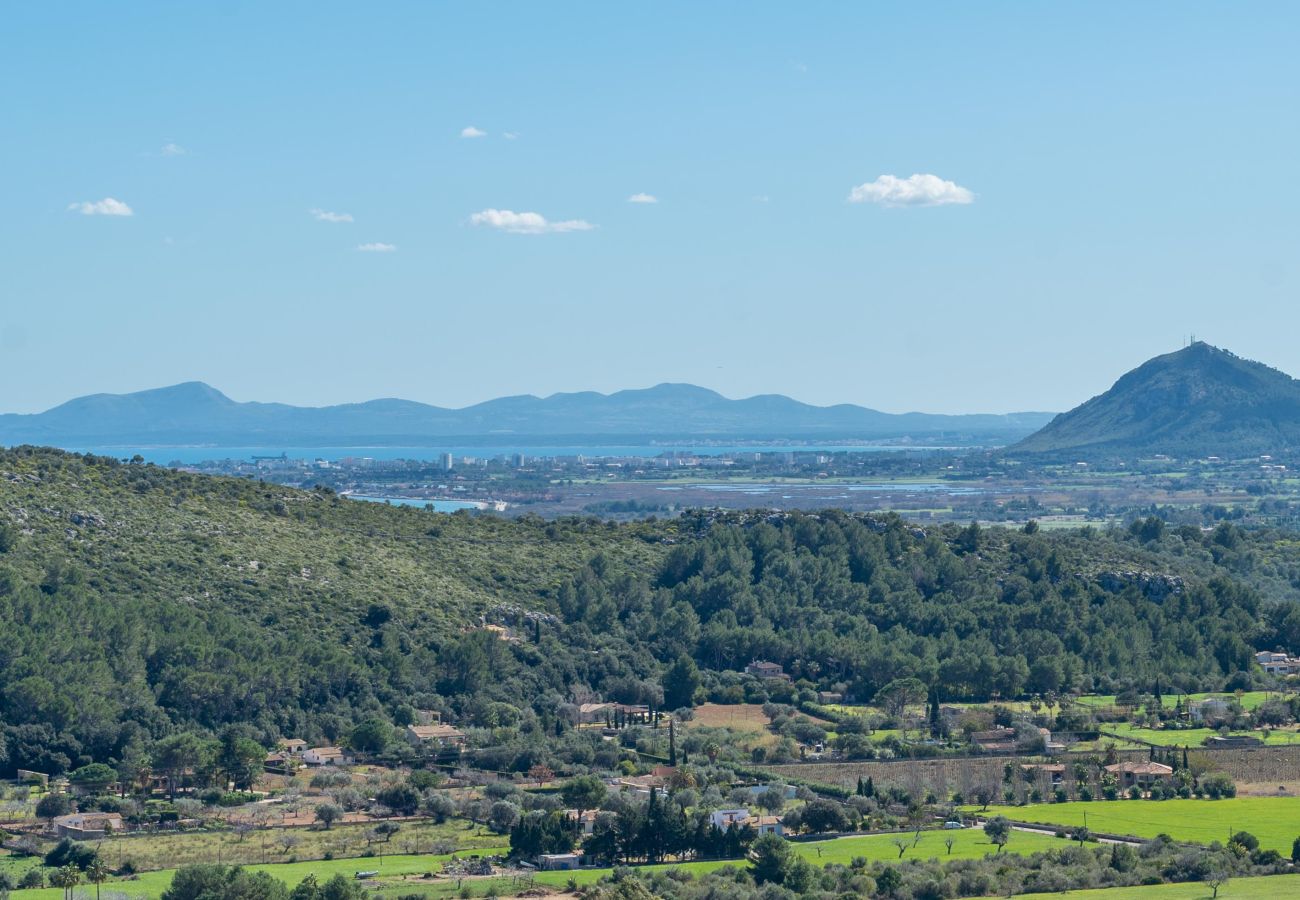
x=1211, y=708
x=1277, y=663
x=725, y=818
x=326, y=756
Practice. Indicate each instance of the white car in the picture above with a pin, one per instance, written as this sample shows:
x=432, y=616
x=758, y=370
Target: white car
x=952, y=826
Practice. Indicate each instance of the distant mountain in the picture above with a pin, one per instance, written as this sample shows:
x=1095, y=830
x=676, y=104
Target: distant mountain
x=1200, y=401
x=194, y=413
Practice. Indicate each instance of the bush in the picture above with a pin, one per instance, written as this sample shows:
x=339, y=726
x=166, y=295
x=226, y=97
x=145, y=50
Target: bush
x=1218, y=785
x=69, y=853
x=52, y=805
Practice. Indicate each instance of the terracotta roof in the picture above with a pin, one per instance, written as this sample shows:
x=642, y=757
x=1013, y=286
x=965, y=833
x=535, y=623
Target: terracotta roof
x=427, y=732
x=1140, y=768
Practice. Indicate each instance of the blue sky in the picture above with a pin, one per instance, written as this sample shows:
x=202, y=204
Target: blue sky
x=1126, y=175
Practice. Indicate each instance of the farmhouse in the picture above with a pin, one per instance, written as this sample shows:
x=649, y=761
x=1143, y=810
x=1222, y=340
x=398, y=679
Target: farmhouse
x=292, y=746
x=1141, y=774
x=764, y=669
x=434, y=736
x=639, y=784
x=1211, y=709
x=86, y=826
x=594, y=713
x=764, y=824
x=326, y=756
x=998, y=740
x=1278, y=663
x=1055, y=772
x=585, y=820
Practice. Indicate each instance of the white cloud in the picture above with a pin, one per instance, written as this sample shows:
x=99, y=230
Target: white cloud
x=510, y=135
x=643, y=198
x=170, y=149
x=469, y=131
x=377, y=247
x=916, y=190
x=324, y=215
x=526, y=222
x=106, y=207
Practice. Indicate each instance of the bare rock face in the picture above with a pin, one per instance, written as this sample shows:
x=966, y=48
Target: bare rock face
x=1153, y=585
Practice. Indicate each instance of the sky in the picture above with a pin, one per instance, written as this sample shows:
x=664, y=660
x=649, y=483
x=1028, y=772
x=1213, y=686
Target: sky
x=947, y=207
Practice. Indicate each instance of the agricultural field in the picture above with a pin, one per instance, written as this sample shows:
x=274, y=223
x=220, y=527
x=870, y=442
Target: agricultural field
x=148, y=852
x=1274, y=820
x=743, y=718
x=152, y=884
x=1249, y=699
x=404, y=874
x=1274, y=887
x=969, y=843
x=1194, y=737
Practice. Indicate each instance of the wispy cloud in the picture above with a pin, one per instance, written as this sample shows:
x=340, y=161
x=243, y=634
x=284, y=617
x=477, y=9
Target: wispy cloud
x=106, y=207
x=526, y=222
x=643, y=198
x=377, y=247
x=170, y=149
x=916, y=190
x=324, y=215
x=510, y=135
x=469, y=131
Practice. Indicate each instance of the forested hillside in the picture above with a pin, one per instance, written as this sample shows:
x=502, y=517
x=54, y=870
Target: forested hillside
x=137, y=601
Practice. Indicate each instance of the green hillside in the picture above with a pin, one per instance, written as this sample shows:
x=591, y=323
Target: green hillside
x=137, y=601
x=138, y=593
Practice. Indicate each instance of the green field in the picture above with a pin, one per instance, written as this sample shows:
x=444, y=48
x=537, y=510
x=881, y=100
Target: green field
x=969, y=843
x=401, y=874
x=152, y=884
x=1274, y=820
x=1275, y=887
x=1249, y=699
x=1193, y=737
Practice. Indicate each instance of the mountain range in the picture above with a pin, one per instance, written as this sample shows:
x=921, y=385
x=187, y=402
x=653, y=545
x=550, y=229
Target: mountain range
x=195, y=413
x=1198, y=401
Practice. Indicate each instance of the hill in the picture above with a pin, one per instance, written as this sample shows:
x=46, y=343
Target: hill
x=137, y=602
x=195, y=413
x=1199, y=401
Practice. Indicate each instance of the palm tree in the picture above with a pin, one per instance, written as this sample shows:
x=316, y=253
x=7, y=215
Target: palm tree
x=97, y=873
x=67, y=878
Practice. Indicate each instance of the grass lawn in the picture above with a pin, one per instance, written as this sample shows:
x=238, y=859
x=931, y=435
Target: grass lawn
x=1274, y=820
x=1281, y=887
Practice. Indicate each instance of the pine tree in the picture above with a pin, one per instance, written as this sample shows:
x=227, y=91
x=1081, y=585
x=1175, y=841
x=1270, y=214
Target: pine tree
x=672, y=744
